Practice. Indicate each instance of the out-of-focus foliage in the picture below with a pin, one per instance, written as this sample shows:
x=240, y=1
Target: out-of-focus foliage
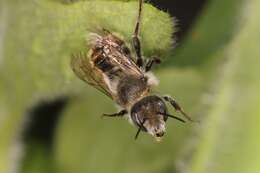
x=213, y=74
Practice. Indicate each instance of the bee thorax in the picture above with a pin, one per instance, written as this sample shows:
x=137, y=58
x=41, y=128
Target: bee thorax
x=131, y=89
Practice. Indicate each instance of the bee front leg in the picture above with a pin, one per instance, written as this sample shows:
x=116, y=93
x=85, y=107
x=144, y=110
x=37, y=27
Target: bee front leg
x=118, y=114
x=151, y=62
x=177, y=107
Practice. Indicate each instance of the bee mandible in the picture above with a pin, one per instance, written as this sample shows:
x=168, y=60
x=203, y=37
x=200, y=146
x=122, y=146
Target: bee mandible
x=124, y=76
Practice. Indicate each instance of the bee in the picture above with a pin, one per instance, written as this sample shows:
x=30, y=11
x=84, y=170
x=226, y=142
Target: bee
x=124, y=76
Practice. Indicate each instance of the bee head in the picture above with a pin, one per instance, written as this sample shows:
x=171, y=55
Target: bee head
x=149, y=115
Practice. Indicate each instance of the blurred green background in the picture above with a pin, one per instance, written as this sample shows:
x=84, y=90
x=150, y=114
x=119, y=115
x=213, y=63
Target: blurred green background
x=50, y=120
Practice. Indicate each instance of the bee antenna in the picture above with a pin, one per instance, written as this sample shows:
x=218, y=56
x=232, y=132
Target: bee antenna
x=172, y=116
x=137, y=133
x=139, y=129
x=177, y=118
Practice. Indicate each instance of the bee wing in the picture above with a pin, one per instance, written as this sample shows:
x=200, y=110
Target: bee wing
x=83, y=69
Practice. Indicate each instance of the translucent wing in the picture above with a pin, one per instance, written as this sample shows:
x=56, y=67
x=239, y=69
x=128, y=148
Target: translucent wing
x=84, y=70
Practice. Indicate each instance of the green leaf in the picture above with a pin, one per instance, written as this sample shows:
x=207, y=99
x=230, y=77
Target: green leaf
x=215, y=28
x=37, y=39
x=229, y=138
x=213, y=74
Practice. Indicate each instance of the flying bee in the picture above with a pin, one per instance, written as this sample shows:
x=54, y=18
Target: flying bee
x=124, y=76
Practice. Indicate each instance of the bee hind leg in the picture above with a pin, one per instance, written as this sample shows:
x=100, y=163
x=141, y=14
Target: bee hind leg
x=177, y=107
x=137, y=47
x=136, y=39
x=118, y=114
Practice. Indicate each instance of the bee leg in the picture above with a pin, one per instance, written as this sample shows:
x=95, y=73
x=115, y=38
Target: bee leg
x=137, y=47
x=177, y=107
x=118, y=114
x=151, y=62
x=136, y=40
